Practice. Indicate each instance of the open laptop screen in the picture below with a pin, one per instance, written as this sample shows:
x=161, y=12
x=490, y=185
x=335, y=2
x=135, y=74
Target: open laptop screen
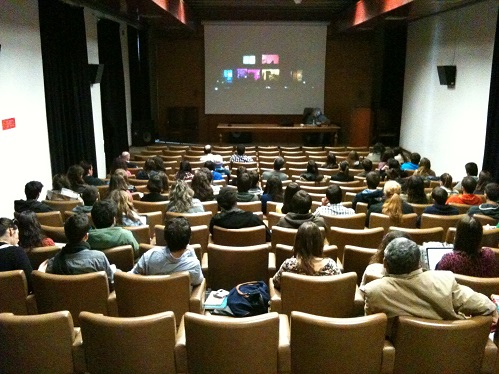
x=435, y=254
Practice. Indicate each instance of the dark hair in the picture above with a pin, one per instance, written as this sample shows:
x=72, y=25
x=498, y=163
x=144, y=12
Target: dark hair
x=201, y=186
x=471, y=169
x=301, y=202
x=103, y=213
x=86, y=166
x=154, y=184
x=393, y=164
x=207, y=149
x=227, y=198
x=330, y=161
x=344, y=168
x=312, y=167
x=388, y=154
x=184, y=170
x=240, y=149
x=440, y=195
x=209, y=164
x=290, y=191
x=372, y=180
x=352, y=158
x=243, y=182
x=334, y=194
x=398, y=151
x=60, y=181
x=367, y=164
x=164, y=181
x=117, y=182
x=33, y=189
x=468, y=237
x=90, y=195
x=484, y=178
x=30, y=231
x=415, y=158
x=468, y=184
x=274, y=188
x=76, y=227
x=446, y=180
x=415, y=190
x=160, y=164
x=379, y=148
x=177, y=233
x=378, y=257
x=118, y=163
x=75, y=176
x=254, y=178
x=149, y=165
x=278, y=163
x=308, y=244
x=492, y=191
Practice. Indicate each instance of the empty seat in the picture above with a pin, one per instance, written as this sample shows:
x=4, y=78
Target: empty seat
x=239, y=237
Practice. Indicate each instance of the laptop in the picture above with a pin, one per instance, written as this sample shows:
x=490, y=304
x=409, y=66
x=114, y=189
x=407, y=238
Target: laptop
x=433, y=255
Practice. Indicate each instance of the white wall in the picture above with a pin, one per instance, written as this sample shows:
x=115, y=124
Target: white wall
x=448, y=125
x=24, y=150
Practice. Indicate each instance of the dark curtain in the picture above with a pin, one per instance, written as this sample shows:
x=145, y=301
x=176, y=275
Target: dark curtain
x=67, y=88
x=112, y=88
x=491, y=153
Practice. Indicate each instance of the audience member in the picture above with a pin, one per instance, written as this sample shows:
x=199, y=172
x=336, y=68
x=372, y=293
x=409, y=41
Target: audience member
x=312, y=173
x=371, y=195
x=181, y=199
x=331, y=204
x=177, y=256
x=75, y=177
x=32, y=191
x=184, y=171
x=148, y=170
x=202, y=187
x=353, y=160
x=468, y=257
x=393, y=172
x=59, y=181
x=399, y=155
x=446, y=184
x=278, y=164
x=88, y=175
x=255, y=183
x=217, y=160
x=125, y=156
x=273, y=192
x=117, y=182
x=89, y=195
x=126, y=214
x=210, y=165
x=414, y=188
x=308, y=257
x=490, y=207
x=290, y=191
x=383, y=163
x=484, y=178
x=240, y=171
x=471, y=171
x=367, y=165
x=377, y=151
x=344, y=174
x=330, y=161
x=118, y=163
x=413, y=164
x=243, y=186
x=155, y=187
x=300, y=212
x=393, y=206
x=467, y=197
x=129, y=187
x=77, y=257
x=239, y=156
x=231, y=217
x=424, y=169
x=30, y=231
x=106, y=234
x=440, y=206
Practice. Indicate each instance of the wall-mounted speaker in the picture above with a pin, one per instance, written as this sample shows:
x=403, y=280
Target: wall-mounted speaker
x=447, y=75
x=142, y=133
x=95, y=72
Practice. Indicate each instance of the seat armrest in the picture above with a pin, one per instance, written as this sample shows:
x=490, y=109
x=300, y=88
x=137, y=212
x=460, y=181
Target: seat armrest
x=275, y=298
x=78, y=352
x=358, y=303
x=489, y=357
x=196, y=302
x=388, y=358
x=284, y=352
x=204, y=264
x=31, y=304
x=272, y=269
x=112, y=305
x=180, y=349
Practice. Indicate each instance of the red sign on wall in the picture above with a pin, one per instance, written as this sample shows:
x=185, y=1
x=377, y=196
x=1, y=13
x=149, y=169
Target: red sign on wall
x=9, y=123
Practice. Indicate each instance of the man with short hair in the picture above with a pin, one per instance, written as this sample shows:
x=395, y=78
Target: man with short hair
x=88, y=174
x=177, y=256
x=467, y=197
x=371, y=195
x=407, y=290
x=331, y=204
x=32, y=191
x=210, y=165
x=243, y=186
x=217, y=160
x=471, y=171
x=367, y=165
x=440, y=206
x=278, y=164
x=413, y=164
x=89, y=195
x=300, y=205
x=490, y=208
x=239, y=156
x=231, y=217
x=106, y=234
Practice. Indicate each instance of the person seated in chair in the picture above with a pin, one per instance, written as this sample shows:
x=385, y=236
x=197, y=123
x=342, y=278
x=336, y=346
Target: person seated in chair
x=371, y=195
x=175, y=257
x=106, y=234
x=467, y=197
x=243, y=186
x=125, y=156
x=440, y=207
x=331, y=204
x=88, y=175
x=90, y=195
x=413, y=164
x=490, y=208
x=299, y=213
x=231, y=217
x=32, y=191
x=239, y=156
x=278, y=164
x=315, y=118
x=155, y=187
x=217, y=160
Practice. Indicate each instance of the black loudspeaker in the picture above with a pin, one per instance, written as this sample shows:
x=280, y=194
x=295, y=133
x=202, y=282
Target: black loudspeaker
x=142, y=133
x=447, y=75
x=95, y=72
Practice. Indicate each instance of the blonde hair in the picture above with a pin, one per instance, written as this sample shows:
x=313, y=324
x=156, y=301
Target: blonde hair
x=180, y=197
x=125, y=207
x=392, y=206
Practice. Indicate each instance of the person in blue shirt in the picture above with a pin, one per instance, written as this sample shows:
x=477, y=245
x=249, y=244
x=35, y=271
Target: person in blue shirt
x=413, y=164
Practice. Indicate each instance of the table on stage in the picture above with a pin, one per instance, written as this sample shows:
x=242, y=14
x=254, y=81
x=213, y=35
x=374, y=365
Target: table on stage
x=274, y=128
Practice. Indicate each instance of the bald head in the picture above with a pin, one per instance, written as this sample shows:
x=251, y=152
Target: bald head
x=125, y=156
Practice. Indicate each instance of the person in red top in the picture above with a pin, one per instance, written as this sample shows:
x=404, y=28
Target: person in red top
x=467, y=197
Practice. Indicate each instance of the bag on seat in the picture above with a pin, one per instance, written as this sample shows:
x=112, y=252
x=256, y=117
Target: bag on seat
x=249, y=299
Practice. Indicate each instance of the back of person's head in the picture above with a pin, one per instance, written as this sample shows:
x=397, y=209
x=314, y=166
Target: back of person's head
x=367, y=164
x=415, y=190
x=117, y=182
x=331, y=158
x=372, y=180
x=402, y=256
x=415, y=158
x=33, y=189
x=76, y=227
x=254, y=178
x=5, y=224
x=90, y=195
x=397, y=151
x=289, y=192
x=177, y=233
x=104, y=213
x=155, y=184
x=30, y=231
x=210, y=165
x=274, y=188
x=227, y=198
x=118, y=163
x=378, y=257
x=86, y=166
x=387, y=155
x=378, y=148
x=207, y=149
x=165, y=185
x=440, y=195
x=492, y=191
x=308, y=244
x=240, y=171
x=484, y=178
x=240, y=149
x=425, y=163
x=446, y=180
x=185, y=166
x=301, y=202
x=353, y=156
x=312, y=167
x=243, y=182
x=468, y=237
x=159, y=163
x=344, y=167
x=471, y=169
x=468, y=184
x=392, y=206
x=60, y=181
x=75, y=175
x=149, y=165
x=334, y=194
x=278, y=163
x=207, y=172
x=181, y=196
x=393, y=164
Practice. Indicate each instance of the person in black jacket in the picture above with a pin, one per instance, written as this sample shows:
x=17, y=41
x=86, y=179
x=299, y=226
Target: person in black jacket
x=32, y=191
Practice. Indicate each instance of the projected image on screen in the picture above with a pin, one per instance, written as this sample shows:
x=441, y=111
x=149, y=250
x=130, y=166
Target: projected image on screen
x=270, y=68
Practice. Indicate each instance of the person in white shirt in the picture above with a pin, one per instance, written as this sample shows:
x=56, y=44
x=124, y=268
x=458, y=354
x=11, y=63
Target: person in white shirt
x=331, y=204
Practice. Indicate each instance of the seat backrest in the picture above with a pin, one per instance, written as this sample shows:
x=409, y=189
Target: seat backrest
x=141, y=233
x=435, y=220
x=62, y=205
x=251, y=342
x=195, y=219
x=210, y=206
x=251, y=262
x=146, y=206
x=251, y=206
x=56, y=233
x=75, y=293
x=329, y=296
x=419, y=236
x=287, y=236
x=418, y=208
x=37, y=343
x=354, y=221
x=273, y=218
x=456, y=346
x=50, y=218
x=121, y=256
x=353, y=345
x=383, y=220
x=485, y=220
x=239, y=237
x=356, y=259
x=462, y=208
x=39, y=254
x=129, y=345
x=486, y=286
x=13, y=292
x=361, y=208
x=369, y=238
x=283, y=252
x=141, y=295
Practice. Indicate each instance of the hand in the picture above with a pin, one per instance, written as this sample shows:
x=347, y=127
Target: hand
x=325, y=201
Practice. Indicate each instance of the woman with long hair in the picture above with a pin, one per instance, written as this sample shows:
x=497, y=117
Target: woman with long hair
x=155, y=187
x=446, y=184
x=484, y=178
x=468, y=256
x=424, y=169
x=330, y=161
x=119, y=183
x=184, y=171
x=30, y=231
x=344, y=174
x=393, y=206
x=353, y=160
x=414, y=187
x=181, y=199
x=312, y=173
x=273, y=192
x=202, y=187
x=127, y=215
x=75, y=177
x=308, y=258
x=148, y=170
x=290, y=191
